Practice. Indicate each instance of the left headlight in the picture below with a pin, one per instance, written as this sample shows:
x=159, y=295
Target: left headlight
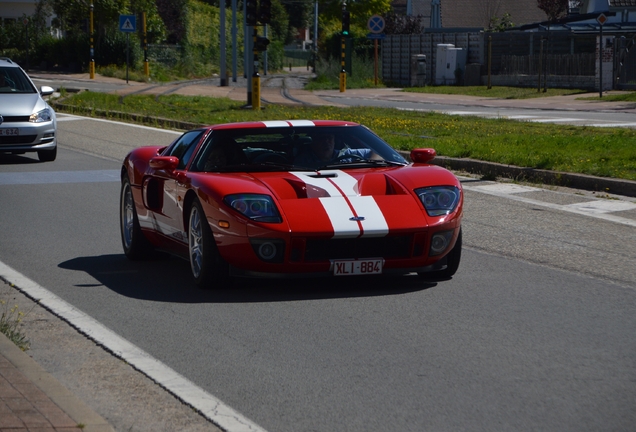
x=439, y=200
x=257, y=207
x=41, y=116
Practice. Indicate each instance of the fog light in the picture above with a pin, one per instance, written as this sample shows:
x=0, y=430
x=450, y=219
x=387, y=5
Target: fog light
x=440, y=241
x=267, y=251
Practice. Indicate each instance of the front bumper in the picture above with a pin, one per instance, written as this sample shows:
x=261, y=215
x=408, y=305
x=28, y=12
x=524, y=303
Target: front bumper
x=31, y=137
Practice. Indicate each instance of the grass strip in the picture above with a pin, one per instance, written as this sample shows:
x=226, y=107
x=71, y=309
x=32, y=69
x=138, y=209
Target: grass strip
x=604, y=152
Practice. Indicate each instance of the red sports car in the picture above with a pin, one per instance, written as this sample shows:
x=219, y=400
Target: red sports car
x=291, y=198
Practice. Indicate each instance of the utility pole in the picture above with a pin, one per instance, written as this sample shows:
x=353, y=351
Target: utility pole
x=91, y=66
x=345, y=34
x=255, y=15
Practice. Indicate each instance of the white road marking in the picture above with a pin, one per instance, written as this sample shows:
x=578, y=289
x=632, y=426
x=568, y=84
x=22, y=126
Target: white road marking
x=68, y=118
x=603, y=206
x=120, y=123
x=56, y=177
x=612, y=125
x=554, y=120
x=505, y=188
x=580, y=209
x=208, y=405
x=531, y=118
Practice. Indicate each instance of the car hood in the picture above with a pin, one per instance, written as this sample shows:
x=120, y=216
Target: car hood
x=21, y=104
x=346, y=204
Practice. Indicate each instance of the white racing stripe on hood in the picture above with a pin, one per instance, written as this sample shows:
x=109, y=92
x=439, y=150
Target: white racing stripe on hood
x=345, y=203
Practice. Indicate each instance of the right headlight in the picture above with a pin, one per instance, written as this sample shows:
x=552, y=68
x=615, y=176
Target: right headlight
x=41, y=116
x=439, y=200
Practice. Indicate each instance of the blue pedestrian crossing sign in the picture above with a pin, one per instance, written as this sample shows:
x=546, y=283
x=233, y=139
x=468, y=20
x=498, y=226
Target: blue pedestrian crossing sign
x=127, y=23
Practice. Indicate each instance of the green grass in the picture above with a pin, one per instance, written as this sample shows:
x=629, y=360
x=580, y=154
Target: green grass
x=11, y=327
x=606, y=152
x=328, y=75
x=494, y=92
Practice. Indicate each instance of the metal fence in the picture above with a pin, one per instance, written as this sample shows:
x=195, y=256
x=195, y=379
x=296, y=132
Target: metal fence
x=297, y=57
x=569, y=64
x=168, y=55
x=625, y=64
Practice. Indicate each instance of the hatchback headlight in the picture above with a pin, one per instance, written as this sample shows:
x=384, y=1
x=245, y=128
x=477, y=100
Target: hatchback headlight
x=41, y=116
x=439, y=200
x=257, y=207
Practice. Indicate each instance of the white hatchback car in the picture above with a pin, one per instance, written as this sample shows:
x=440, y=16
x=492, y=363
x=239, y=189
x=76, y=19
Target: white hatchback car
x=27, y=122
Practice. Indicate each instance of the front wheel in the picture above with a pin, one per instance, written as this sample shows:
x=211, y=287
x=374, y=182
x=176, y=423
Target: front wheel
x=135, y=244
x=47, y=155
x=452, y=263
x=208, y=268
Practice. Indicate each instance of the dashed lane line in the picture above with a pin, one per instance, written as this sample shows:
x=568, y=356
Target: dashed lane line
x=599, y=209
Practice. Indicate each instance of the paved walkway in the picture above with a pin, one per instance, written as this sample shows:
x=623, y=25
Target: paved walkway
x=32, y=400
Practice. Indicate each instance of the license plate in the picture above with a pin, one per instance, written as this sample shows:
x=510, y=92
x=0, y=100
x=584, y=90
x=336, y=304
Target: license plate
x=357, y=267
x=10, y=132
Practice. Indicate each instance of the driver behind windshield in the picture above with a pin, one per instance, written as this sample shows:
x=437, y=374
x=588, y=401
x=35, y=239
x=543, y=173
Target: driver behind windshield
x=321, y=152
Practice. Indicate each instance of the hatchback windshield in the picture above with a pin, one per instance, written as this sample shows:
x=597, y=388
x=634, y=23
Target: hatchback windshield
x=12, y=80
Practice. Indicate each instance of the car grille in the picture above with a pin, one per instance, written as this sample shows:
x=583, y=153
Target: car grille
x=386, y=247
x=15, y=119
x=20, y=139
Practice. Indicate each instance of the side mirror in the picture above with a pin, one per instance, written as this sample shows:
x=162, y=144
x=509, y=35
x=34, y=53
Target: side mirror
x=46, y=90
x=423, y=155
x=168, y=163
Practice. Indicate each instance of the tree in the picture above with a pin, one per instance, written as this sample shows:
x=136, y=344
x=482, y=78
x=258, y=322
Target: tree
x=360, y=10
x=554, y=9
x=403, y=24
x=500, y=24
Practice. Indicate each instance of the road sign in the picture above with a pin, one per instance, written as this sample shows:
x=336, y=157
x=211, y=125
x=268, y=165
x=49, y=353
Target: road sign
x=376, y=24
x=601, y=19
x=376, y=36
x=127, y=23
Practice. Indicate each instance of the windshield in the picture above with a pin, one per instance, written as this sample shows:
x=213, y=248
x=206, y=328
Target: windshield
x=13, y=80
x=289, y=149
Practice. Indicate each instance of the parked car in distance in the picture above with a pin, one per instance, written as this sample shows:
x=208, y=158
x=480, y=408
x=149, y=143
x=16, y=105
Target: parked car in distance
x=27, y=122
x=295, y=198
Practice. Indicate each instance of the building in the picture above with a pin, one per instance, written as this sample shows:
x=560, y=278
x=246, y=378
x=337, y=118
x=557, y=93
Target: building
x=475, y=14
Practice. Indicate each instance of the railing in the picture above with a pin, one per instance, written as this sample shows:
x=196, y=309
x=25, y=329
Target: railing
x=569, y=64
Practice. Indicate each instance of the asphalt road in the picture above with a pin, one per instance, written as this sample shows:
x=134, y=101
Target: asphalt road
x=535, y=332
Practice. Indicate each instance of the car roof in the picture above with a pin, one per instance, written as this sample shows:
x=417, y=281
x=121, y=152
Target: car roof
x=6, y=61
x=282, y=124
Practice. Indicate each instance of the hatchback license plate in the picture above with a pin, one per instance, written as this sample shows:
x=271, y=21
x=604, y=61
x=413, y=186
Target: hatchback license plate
x=357, y=267
x=10, y=132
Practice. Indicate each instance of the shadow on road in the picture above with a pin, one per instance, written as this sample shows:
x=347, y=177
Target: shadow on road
x=170, y=280
x=13, y=159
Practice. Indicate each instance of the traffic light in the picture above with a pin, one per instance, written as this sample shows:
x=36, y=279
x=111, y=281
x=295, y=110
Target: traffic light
x=260, y=43
x=265, y=12
x=346, y=18
x=250, y=13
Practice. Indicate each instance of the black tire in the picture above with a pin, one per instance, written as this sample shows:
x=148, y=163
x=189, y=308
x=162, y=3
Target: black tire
x=47, y=155
x=136, y=246
x=209, y=270
x=451, y=260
